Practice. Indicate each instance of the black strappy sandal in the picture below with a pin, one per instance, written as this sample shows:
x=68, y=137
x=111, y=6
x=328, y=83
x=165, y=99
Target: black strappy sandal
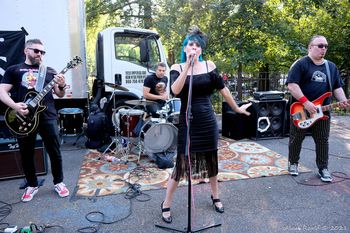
x=217, y=209
x=166, y=219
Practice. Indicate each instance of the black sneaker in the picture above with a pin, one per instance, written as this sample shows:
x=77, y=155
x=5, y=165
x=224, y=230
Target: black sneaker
x=293, y=169
x=325, y=175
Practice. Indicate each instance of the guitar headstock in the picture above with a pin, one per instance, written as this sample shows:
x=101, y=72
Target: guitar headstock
x=74, y=62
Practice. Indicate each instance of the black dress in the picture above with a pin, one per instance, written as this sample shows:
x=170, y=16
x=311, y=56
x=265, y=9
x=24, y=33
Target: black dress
x=204, y=131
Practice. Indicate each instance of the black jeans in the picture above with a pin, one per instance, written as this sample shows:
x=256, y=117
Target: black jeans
x=48, y=130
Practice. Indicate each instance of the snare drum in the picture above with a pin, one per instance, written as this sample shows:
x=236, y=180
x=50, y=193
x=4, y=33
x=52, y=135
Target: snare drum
x=173, y=106
x=71, y=121
x=158, y=137
x=130, y=122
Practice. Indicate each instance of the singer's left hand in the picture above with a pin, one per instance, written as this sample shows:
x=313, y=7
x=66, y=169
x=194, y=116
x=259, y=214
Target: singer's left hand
x=243, y=109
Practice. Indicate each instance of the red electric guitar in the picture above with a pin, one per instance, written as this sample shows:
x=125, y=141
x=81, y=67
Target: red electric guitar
x=302, y=118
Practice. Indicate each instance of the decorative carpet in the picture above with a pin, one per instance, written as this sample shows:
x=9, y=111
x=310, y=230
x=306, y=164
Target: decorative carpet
x=237, y=160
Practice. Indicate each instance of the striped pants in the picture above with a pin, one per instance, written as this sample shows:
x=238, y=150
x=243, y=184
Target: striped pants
x=320, y=134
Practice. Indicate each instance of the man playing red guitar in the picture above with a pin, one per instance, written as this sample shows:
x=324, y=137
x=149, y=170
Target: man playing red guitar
x=308, y=79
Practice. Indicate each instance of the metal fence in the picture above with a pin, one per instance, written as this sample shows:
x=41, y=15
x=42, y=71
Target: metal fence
x=275, y=82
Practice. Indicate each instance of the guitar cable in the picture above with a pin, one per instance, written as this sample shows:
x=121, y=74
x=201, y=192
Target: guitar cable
x=133, y=192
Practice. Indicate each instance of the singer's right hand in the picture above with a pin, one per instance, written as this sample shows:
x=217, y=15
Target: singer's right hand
x=191, y=56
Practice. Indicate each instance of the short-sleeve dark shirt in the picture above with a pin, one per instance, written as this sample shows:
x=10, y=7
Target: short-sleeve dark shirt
x=23, y=77
x=151, y=81
x=312, y=79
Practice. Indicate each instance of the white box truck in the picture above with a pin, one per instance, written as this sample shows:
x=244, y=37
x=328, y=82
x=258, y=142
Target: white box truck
x=124, y=56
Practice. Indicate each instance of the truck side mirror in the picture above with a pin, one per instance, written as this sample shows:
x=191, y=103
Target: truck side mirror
x=144, y=51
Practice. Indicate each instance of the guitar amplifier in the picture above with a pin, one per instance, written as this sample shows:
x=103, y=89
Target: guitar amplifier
x=10, y=159
x=268, y=95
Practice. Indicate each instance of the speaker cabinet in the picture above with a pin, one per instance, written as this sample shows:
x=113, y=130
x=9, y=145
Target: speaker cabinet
x=4, y=130
x=234, y=125
x=268, y=118
x=10, y=159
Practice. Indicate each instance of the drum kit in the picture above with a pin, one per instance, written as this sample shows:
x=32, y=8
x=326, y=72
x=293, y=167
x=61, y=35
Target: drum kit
x=136, y=132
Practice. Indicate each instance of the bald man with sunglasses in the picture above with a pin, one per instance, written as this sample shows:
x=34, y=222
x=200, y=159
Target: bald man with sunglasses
x=308, y=79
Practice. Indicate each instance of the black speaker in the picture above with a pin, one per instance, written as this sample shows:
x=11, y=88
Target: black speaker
x=234, y=125
x=269, y=118
x=4, y=130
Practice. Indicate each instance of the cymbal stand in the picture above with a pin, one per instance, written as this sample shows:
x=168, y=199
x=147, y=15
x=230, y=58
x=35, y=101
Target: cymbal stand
x=117, y=140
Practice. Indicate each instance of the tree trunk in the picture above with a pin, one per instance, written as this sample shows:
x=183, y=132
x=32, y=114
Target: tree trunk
x=239, y=81
x=148, y=22
x=264, y=82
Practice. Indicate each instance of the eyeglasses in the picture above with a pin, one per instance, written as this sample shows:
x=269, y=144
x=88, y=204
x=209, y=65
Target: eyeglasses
x=38, y=51
x=321, y=46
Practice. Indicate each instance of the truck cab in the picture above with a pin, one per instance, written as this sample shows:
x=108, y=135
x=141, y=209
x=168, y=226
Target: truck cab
x=124, y=57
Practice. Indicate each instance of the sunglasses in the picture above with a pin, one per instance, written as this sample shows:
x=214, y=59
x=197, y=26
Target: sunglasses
x=38, y=51
x=321, y=46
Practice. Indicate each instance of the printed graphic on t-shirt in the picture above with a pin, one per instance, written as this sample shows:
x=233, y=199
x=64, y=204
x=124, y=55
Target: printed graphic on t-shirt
x=29, y=79
x=318, y=76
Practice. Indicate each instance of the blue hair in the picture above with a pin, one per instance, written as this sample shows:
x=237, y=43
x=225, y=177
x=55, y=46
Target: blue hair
x=196, y=38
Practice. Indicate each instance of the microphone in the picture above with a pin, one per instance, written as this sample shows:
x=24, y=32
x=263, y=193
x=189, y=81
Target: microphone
x=192, y=61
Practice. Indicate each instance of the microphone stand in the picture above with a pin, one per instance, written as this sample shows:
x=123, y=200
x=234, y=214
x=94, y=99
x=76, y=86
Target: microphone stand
x=188, y=229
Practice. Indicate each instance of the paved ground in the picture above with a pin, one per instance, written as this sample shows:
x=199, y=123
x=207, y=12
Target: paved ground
x=270, y=204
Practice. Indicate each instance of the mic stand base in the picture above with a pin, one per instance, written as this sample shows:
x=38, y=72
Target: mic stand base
x=188, y=230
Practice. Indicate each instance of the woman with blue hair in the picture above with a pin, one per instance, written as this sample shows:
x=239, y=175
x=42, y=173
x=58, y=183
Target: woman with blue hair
x=204, y=133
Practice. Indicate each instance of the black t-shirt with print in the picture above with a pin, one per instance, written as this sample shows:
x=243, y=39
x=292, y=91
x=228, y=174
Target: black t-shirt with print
x=151, y=81
x=23, y=77
x=312, y=79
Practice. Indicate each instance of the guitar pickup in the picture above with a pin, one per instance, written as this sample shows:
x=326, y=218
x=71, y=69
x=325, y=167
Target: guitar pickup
x=296, y=116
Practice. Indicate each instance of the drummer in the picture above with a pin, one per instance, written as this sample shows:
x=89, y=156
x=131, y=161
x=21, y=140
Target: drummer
x=154, y=89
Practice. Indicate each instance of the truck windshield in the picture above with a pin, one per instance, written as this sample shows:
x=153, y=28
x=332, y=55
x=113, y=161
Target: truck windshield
x=128, y=48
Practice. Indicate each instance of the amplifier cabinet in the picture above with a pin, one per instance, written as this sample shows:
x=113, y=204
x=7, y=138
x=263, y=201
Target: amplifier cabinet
x=269, y=118
x=10, y=159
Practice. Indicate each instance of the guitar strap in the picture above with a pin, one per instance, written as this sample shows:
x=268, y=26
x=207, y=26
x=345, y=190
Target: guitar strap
x=41, y=78
x=328, y=75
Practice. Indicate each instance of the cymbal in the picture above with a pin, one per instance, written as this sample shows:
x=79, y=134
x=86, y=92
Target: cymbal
x=139, y=102
x=116, y=86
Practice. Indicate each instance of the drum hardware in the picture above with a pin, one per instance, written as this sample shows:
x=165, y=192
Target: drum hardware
x=120, y=146
x=116, y=86
x=126, y=123
x=140, y=102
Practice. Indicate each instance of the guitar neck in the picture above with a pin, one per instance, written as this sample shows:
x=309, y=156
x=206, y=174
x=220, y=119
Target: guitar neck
x=47, y=88
x=331, y=106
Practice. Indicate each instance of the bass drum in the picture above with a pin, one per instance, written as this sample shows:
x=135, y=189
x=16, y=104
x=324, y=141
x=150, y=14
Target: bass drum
x=158, y=137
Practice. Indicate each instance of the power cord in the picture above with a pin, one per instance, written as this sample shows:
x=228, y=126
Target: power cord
x=341, y=175
x=133, y=192
x=5, y=210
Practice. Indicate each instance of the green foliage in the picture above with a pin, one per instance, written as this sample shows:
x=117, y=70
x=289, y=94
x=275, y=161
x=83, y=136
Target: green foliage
x=250, y=33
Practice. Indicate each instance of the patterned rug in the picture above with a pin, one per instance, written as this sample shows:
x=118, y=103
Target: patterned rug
x=237, y=160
